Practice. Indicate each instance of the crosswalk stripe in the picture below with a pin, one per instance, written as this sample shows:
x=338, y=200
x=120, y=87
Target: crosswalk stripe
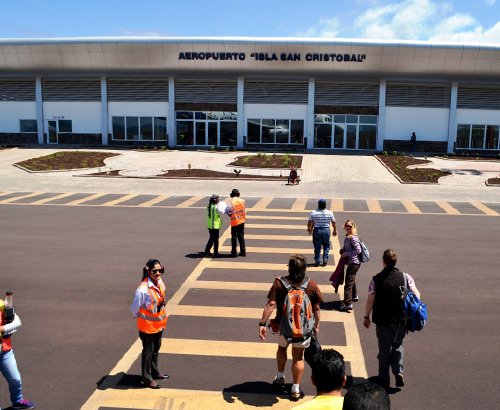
x=483, y=208
x=153, y=201
x=226, y=285
x=187, y=203
x=447, y=208
x=337, y=205
x=279, y=237
x=83, y=200
x=332, y=316
x=15, y=198
x=119, y=200
x=273, y=226
x=263, y=203
x=52, y=198
x=373, y=205
x=251, y=217
x=410, y=207
x=217, y=264
x=299, y=204
x=259, y=249
x=223, y=348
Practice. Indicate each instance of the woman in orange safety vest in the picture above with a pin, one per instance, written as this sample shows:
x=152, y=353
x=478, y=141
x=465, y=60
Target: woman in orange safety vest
x=149, y=309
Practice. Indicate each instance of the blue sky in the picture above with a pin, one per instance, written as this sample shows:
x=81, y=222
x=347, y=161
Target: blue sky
x=452, y=20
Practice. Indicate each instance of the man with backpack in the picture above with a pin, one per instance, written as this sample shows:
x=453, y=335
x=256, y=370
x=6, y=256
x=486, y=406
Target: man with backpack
x=297, y=300
x=385, y=299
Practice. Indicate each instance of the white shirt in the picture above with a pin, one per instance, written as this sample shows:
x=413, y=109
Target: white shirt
x=142, y=298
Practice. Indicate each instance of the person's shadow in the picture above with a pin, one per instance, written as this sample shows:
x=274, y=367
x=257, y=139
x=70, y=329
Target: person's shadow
x=120, y=381
x=256, y=394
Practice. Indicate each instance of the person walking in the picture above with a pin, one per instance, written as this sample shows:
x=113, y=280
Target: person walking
x=8, y=364
x=319, y=226
x=328, y=376
x=350, y=251
x=384, y=298
x=276, y=299
x=237, y=213
x=148, y=307
x=214, y=223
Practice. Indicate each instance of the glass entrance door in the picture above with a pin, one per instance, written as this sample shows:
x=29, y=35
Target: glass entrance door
x=212, y=133
x=52, y=129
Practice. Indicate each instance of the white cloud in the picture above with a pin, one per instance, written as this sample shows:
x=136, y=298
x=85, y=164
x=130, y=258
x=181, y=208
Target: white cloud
x=410, y=20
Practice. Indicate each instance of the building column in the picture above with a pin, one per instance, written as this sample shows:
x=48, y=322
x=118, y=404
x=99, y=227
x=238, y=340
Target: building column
x=310, y=114
x=452, y=122
x=381, y=116
x=104, y=111
x=240, y=107
x=171, y=112
x=39, y=109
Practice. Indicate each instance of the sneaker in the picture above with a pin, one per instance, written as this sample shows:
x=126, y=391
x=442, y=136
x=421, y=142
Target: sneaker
x=316, y=264
x=356, y=299
x=296, y=396
x=345, y=308
x=23, y=404
x=325, y=262
x=400, y=381
x=279, y=381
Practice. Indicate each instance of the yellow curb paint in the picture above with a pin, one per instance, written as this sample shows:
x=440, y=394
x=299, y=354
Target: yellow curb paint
x=411, y=208
x=119, y=200
x=337, y=205
x=153, y=201
x=280, y=237
x=450, y=210
x=262, y=203
x=189, y=202
x=53, y=198
x=483, y=208
x=83, y=200
x=373, y=206
x=31, y=195
x=299, y=204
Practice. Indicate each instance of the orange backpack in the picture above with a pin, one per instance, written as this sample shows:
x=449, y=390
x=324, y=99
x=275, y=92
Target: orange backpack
x=297, y=319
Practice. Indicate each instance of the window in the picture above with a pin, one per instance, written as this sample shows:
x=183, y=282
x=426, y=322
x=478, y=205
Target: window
x=349, y=131
x=206, y=128
x=476, y=136
x=28, y=126
x=275, y=131
x=139, y=128
x=65, y=126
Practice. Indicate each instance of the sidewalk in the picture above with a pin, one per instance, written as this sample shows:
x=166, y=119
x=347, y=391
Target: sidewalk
x=330, y=176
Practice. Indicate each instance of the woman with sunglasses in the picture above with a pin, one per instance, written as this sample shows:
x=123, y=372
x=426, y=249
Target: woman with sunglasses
x=350, y=251
x=149, y=309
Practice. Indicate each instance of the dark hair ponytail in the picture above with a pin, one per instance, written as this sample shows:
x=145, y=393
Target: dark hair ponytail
x=150, y=264
x=211, y=201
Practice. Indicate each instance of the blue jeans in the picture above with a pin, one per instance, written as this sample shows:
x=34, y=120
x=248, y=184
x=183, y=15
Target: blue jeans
x=321, y=238
x=8, y=367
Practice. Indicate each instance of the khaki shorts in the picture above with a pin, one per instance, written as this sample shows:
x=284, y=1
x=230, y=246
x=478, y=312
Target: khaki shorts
x=282, y=342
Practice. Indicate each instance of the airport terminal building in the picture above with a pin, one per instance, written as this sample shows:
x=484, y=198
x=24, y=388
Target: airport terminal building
x=271, y=93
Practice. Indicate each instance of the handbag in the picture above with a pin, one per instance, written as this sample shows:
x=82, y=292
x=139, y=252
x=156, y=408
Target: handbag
x=314, y=347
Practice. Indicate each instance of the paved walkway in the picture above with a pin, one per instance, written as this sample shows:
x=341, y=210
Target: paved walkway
x=332, y=176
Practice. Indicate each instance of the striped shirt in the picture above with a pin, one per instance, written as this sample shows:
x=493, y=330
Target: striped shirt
x=322, y=218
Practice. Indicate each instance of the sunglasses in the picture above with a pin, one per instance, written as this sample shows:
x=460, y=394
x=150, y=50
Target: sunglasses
x=160, y=271
x=348, y=226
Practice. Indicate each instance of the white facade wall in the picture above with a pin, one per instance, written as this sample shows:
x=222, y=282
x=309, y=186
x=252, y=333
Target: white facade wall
x=85, y=116
x=479, y=117
x=430, y=124
x=13, y=111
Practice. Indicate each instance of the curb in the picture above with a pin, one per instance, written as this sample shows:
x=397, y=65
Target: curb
x=195, y=178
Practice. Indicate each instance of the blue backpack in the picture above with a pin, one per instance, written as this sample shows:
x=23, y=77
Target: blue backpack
x=415, y=310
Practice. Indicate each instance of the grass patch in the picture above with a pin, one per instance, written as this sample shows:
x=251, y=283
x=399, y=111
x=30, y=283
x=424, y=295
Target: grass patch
x=268, y=161
x=63, y=160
